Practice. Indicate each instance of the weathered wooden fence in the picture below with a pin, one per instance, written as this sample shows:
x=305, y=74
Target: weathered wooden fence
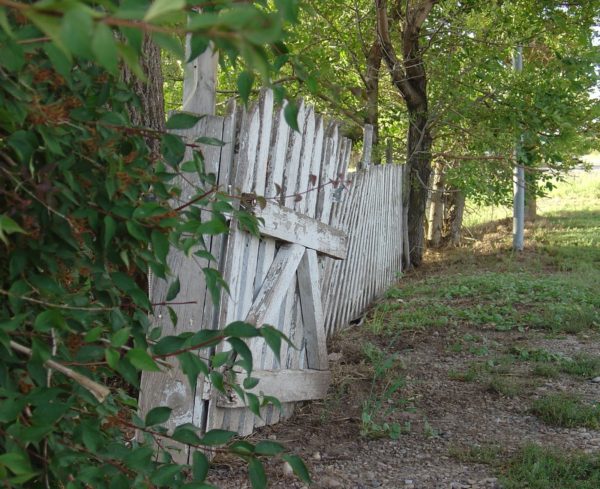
x=319, y=261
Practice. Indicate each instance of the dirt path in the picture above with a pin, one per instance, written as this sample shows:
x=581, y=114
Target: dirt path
x=448, y=422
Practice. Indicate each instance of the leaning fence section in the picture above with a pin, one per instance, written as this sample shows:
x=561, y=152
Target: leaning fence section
x=371, y=215
x=331, y=242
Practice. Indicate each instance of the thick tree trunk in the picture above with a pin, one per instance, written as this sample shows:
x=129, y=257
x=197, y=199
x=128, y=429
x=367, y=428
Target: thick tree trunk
x=419, y=165
x=435, y=221
x=530, y=206
x=151, y=112
x=409, y=77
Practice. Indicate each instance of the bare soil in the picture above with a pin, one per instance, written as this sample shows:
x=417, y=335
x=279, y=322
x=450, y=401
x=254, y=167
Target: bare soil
x=443, y=418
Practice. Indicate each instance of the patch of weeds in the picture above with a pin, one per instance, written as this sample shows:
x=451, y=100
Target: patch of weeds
x=567, y=318
x=567, y=411
x=535, y=467
x=477, y=454
x=456, y=347
x=504, y=386
x=500, y=365
x=479, y=351
x=545, y=370
x=429, y=431
x=380, y=405
x=415, y=315
x=581, y=365
x=535, y=354
x=471, y=374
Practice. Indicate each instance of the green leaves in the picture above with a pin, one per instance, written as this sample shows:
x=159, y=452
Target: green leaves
x=256, y=471
x=217, y=437
x=244, y=85
x=160, y=8
x=141, y=360
x=8, y=226
x=183, y=120
x=200, y=466
x=104, y=47
x=174, y=289
x=298, y=467
x=19, y=465
x=91, y=208
x=290, y=113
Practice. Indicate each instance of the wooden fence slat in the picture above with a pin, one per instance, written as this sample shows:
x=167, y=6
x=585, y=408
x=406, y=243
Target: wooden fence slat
x=276, y=284
x=312, y=312
x=172, y=388
x=339, y=283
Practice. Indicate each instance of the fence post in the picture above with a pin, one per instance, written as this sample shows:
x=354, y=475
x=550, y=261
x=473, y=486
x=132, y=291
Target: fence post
x=200, y=81
x=367, y=146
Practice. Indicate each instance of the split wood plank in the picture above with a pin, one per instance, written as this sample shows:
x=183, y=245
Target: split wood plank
x=275, y=285
x=171, y=388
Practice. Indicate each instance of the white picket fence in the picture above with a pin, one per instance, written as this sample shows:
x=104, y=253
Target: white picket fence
x=320, y=260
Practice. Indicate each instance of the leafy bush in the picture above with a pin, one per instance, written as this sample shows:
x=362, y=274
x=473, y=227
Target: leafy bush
x=87, y=209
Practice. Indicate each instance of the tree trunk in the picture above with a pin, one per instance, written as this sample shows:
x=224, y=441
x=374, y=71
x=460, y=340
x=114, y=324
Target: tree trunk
x=436, y=208
x=409, y=77
x=419, y=166
x=151, y=112
x=530, y=206
x=455, y=209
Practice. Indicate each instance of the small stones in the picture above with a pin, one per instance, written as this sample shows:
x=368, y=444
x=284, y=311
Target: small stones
x=330, y=482
x=596, y=380
x=316, y=456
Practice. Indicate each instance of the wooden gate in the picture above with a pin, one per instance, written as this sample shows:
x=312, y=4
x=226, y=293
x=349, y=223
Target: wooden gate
x=272, y=280
x=275, y=279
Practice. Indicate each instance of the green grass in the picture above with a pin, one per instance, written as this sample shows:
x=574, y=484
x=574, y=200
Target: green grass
x=534, y=467
x=556, y=302
x=550, y=364
x=566, y=410
x=477, y=454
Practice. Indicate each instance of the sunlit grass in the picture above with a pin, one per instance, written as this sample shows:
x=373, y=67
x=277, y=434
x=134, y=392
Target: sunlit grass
x=580, y=191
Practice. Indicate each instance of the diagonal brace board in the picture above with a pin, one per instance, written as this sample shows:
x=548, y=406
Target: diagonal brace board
x=276, y=284
x=291, y=226
x=312, y=311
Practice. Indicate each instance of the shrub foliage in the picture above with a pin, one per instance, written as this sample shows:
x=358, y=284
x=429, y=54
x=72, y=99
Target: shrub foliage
x=86, y=210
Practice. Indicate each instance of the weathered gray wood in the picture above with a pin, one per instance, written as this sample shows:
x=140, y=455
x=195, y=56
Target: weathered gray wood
x=275, y=285
x=171, y=388
x=200, y=81
x=367, y=146
x=286, y=385
x=233, y=267
x=312, y=311
x=291, y=226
